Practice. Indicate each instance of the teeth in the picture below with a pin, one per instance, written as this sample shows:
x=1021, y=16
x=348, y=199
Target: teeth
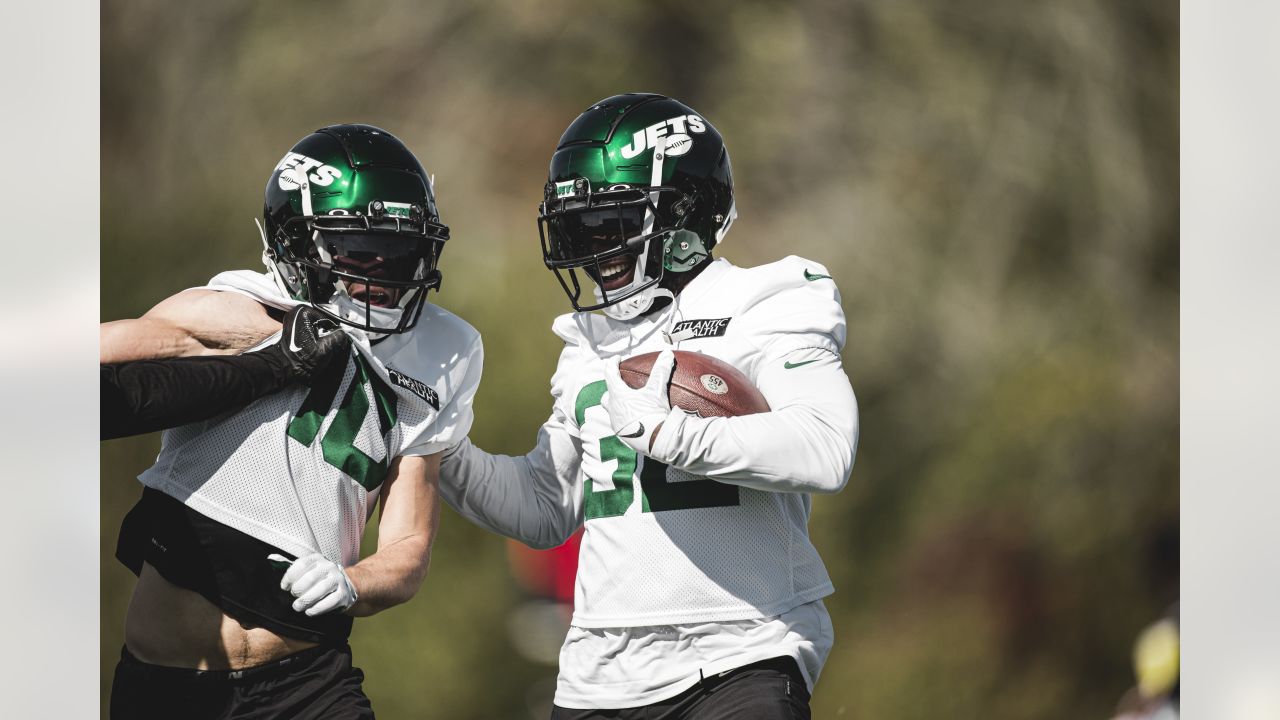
x=614, y=269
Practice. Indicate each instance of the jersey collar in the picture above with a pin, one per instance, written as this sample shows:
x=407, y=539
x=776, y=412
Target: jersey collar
x=706, y=280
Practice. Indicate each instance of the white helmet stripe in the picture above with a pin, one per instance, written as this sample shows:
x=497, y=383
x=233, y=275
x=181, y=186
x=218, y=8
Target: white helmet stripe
x=655, y=179
x=305, y=187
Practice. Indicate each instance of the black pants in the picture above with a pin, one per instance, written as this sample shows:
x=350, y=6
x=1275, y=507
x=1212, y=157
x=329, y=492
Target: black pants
x=771, y=689
x=319, y=682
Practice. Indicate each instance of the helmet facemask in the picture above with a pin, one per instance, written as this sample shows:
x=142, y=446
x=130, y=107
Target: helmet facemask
x=610, y=235
x=370, y=271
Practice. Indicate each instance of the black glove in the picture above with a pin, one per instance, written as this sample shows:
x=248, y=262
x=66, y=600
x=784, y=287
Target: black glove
x=149, y=395
x=310, y=342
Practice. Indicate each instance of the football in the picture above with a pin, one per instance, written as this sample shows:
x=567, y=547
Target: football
x=700, y=384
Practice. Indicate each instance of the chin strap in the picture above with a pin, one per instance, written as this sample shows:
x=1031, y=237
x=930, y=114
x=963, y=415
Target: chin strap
x=284, y=278
x=636, y=305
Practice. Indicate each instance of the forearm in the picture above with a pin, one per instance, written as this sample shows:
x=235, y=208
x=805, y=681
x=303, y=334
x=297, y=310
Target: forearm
x=806, y=444
x=144, y=339
x=789, y=450
x=193, y=322
x=148, y=395
x=532, y=498
x=406, y=531
x=390, y=576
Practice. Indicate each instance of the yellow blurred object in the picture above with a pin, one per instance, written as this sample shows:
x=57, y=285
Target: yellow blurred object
x=1155, y=658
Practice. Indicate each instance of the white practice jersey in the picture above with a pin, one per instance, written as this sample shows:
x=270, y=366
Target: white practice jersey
x=301, y=469
x=714, y=526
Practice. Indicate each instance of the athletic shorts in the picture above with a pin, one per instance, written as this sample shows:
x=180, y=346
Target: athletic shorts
x=318, y=682
x=771, y=689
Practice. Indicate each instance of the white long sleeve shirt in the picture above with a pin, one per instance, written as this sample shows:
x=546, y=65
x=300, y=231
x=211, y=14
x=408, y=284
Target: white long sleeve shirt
x=713, y=528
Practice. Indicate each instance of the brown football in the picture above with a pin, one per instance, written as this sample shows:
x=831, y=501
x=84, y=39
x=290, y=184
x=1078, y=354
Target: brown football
x=700, y=384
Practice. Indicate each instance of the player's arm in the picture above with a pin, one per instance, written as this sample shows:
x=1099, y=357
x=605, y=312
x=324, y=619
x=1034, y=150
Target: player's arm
x=534, y=498
x=147, y=395
x=806, y=443
x=406, y=532
x=393, y=573
x=193, y=322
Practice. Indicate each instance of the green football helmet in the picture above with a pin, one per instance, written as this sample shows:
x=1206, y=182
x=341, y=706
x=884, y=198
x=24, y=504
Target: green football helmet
x=640, y=186
x=351, y=226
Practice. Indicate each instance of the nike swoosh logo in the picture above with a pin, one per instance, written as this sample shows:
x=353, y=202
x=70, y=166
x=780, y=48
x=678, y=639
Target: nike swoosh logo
x=639, y=431
x=810, y=276
x=279, y=562
x=293, y=345
x=789, y=365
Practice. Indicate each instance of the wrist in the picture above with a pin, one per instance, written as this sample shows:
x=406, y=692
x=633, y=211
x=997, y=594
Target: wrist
x=277, y=364
x=663, y=442
x=353, y=589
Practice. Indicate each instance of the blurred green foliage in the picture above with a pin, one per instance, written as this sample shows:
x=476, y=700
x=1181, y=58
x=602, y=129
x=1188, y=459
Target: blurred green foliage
x=994, y=186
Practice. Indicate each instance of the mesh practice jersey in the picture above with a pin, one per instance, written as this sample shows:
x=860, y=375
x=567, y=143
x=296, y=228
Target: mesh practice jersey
x=301, y=469
x=719, y=531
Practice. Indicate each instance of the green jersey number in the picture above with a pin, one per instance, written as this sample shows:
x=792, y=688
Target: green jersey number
x=657, y=495
x=338, y=443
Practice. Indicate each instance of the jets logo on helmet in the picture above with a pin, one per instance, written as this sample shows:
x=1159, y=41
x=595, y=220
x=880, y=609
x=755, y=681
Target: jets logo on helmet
x=678, y=142
x=299, y=166
x=640, y=187
x=351, y=226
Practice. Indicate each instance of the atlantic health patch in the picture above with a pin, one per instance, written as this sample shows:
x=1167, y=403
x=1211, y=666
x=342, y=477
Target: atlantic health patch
x=690, y=329
x=417, y=387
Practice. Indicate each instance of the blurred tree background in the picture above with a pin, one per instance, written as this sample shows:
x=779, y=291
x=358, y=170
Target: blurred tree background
x=994, y=186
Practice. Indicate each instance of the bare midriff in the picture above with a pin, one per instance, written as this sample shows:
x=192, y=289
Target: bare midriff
x=167, y=625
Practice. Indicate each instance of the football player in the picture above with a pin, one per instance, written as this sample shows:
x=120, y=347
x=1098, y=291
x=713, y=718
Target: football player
x=699, y=594
x=148, y=395
x=246, y=540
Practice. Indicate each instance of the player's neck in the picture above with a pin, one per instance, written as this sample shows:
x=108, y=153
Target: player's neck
x=676, y=282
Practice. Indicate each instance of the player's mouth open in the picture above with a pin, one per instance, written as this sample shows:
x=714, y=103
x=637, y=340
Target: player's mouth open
x=617, y=272
x=376, y=296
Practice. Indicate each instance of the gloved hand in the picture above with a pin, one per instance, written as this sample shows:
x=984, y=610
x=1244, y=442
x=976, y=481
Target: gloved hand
x=635, y=414
x=319, y=584
x=310, y=342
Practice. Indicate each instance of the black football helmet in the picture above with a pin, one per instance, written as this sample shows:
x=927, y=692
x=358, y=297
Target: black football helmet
x=640, y=185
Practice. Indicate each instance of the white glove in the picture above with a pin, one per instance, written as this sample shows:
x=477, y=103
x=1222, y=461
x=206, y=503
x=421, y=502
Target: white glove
x=636, y=414
x=318, y=583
